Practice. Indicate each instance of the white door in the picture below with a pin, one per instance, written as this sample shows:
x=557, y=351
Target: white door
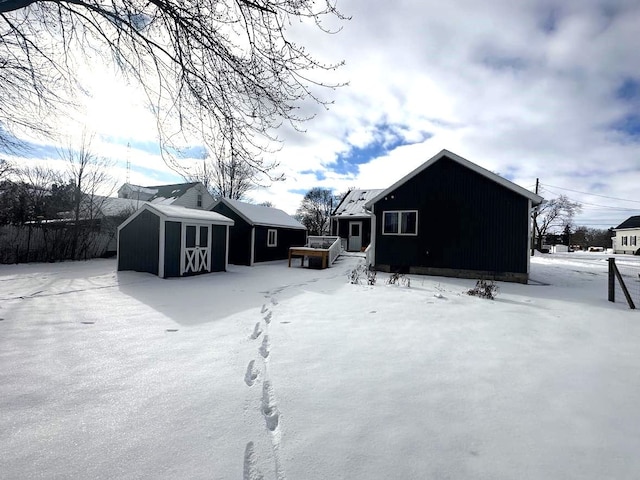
x=355, y=236
x=196, y=255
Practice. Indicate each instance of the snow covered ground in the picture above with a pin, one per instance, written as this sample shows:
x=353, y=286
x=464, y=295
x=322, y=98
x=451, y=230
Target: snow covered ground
x=288, y=373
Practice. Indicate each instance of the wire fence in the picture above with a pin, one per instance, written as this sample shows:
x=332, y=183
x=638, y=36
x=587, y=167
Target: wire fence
x=624, y=282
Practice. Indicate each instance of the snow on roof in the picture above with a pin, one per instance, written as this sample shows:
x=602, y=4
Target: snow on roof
x=113, y=206
x=261, y=215
x=183, y=213
x=141, y=189
x=352, y=205
x=535, y=199
x=631, y=222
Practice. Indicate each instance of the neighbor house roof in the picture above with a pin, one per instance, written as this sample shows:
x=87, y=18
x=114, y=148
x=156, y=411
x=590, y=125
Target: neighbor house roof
x=113, y=206
x=162, y=193
x=261, y=215
x=631, y=222
x=535, y=199
x=352, y=204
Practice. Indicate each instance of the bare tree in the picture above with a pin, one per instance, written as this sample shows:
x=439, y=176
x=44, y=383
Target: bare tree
x=315, y=210
x=217, y=63
x=6, y=169
x=230, y=171
x=557, y=214
x=92, y=182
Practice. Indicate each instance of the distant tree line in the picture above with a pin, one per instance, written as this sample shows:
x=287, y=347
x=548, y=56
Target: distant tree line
x=50, y=215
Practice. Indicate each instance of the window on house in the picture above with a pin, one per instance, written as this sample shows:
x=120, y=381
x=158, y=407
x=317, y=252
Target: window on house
x=401, y=222
x=633, y=240
x=199, y=201
x=624, y=241
x=272, y=238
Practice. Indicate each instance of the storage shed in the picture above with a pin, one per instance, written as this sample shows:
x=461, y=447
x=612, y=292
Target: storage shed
x=259, y=233
x=451, y=217
x=171, y=241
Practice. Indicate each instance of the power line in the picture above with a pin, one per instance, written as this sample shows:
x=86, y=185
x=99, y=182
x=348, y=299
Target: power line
x=594, y=194
x=617, y=209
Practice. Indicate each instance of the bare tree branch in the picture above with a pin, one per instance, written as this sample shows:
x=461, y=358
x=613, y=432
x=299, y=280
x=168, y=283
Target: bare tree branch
x=212, y=62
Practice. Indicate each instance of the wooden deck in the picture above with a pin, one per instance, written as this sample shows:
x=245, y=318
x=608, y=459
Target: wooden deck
x=309, y=252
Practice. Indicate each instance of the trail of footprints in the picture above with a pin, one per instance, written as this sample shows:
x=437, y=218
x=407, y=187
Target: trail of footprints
x=269, y=405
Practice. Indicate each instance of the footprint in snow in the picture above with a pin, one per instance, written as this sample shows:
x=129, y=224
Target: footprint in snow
x=251, y=375
x=265, y=347
x=269, y=407
x=251, y=471
x=257, y=331
x=264, y=308
x=267, y=318
x=274, y=301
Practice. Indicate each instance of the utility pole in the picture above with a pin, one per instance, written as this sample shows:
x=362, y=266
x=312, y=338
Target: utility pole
x=535, y=216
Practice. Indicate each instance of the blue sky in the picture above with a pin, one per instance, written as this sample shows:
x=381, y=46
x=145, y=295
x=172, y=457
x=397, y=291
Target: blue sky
x=529, y=89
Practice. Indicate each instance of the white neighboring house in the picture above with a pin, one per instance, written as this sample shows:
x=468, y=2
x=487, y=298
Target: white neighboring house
x=627, y=239
x=189, y=195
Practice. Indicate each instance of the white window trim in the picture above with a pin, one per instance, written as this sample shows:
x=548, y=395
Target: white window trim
x=398, y=213
x=275, y=238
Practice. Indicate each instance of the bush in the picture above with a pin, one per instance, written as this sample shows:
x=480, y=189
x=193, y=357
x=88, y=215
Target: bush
x=484, y=289
x=361, y=272
x=398, y=278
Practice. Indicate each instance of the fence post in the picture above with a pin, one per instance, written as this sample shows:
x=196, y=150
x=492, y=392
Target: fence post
x=612, y=279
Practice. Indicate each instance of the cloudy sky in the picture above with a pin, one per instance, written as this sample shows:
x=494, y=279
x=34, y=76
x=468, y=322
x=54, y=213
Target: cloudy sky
x=528, y=89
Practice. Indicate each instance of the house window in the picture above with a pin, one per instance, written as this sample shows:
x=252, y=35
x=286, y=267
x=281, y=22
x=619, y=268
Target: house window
x=633, y=240
x=199, y=201
x=624, y=241
x=401, y=222
x=272, y=238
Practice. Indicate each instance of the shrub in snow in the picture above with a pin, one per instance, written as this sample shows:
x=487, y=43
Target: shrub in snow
x=361, y=272
x=399, y=279
x=484, y=289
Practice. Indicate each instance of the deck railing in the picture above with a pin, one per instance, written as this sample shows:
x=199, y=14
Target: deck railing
x=326, y=242
x=369, y=255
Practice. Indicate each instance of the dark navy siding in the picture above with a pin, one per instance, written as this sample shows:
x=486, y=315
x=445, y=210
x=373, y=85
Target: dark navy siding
x=172, y=247
x=139, y=244
x=287, y=237
x=218, y=248
x=465, y=221
x=343, y=229
x=239, y=236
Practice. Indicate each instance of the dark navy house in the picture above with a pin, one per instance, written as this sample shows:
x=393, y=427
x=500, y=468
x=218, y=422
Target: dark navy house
x=260, y=233
x=451, y=217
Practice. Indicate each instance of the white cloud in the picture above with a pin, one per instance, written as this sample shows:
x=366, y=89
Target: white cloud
x=525, y=89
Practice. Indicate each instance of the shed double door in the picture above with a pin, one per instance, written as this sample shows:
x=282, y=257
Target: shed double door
x=196, y=254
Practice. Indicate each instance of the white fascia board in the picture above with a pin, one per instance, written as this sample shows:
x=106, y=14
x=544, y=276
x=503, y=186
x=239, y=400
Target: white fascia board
x=535, y=199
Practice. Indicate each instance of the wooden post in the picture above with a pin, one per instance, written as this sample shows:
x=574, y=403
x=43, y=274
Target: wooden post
x=622, y=284
x=612, y=279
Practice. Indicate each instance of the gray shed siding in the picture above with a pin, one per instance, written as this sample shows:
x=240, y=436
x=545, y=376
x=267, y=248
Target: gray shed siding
x=466, y=222
x=139, y=244
x=172, y=246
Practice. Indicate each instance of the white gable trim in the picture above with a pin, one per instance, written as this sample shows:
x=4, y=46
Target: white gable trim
x=535, y=199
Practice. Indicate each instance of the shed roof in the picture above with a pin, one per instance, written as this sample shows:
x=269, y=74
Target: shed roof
x=535, y=199
x=261, y=215
x=631, y=222
x=352, y=205
x=180, y=214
